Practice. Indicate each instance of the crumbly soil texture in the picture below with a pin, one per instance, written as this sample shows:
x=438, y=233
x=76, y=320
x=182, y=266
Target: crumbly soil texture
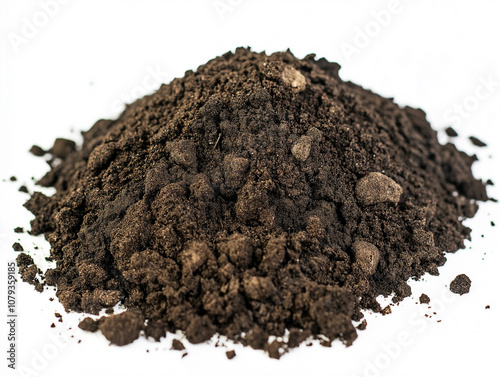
x=260, y=197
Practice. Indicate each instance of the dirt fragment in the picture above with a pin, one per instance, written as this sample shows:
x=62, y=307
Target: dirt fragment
x=460, y=285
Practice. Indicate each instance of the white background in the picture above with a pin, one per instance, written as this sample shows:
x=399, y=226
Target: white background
x=87, y=58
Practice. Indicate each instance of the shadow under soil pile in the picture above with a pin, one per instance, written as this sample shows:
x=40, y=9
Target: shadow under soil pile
x=258, y=196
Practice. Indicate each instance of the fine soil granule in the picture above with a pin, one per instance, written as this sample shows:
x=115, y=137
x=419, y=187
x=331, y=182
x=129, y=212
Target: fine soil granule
x=258, y=196
x=460, y=285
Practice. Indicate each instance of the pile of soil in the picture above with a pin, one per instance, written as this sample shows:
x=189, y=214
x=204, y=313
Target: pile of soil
x=258, y=196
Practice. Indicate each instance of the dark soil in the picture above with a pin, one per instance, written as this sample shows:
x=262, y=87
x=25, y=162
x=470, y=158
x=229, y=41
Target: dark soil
x=256, y=195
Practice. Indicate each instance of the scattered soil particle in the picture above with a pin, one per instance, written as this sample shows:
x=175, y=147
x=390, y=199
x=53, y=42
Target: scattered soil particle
x=377, y=188
x=386, y=310
x=18, y=230
x=362, y=325
x=487, y=307
x=460, y=285
x=23, y=189
x=123, y=328
x=17, y=246
x=177, y=345
x=28, y=271
x=62, y=148
x=231, y=354
x=13, y=179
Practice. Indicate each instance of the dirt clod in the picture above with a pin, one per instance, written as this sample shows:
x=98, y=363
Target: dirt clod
x=377, y=188
x=478, y=143
x=451, y=132
x=177, y=345
x=424, y=299
x=17, y=246
x=123, y=328
x=460, y=285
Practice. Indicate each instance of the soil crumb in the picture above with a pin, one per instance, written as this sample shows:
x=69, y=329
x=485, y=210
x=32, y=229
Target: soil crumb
x=37, y=151
x=477, y=142
x=424, y=299
x=177, y=345
x=451, y=132
x=17, y=246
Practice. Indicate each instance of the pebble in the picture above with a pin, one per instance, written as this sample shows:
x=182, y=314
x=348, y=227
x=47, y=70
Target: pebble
x=377, y=188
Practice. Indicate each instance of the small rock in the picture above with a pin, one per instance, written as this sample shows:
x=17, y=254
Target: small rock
x=451, y=132
x=235, y=171
x=293, y=78
x=89, y=324
x=460, y=285
x=424, y=299
x=302, y=148
x=377, y=188
x=122, y=329
x=366, y=256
